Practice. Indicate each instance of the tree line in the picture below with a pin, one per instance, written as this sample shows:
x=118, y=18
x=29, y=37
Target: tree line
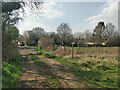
x=102, y=35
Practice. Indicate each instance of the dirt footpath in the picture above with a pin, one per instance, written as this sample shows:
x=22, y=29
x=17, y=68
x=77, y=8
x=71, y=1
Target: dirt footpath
x=31, y=77
x=66, y=79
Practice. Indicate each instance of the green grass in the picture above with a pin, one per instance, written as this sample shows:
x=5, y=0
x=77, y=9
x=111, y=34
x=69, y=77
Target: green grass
x=11, y=71
x=50, y=55
x=34, y=57
x=99, y=74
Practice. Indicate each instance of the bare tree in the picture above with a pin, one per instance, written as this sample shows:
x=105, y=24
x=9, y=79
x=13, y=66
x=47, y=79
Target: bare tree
x=79, y=39
x=56, y=37
x=87, y=36
x=110, y=32
x=33, y=36
x=78, y=35
x=65, y=32
x=46, y=42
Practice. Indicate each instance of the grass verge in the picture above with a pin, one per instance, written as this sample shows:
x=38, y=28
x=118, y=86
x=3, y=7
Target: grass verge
x=11, y=71
x=100, y=74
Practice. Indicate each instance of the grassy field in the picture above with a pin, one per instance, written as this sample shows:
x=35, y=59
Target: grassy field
x=99, y=51
x=96, y=65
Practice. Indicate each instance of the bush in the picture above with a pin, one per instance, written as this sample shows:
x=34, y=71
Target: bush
x=61, y=57
x=30, y=54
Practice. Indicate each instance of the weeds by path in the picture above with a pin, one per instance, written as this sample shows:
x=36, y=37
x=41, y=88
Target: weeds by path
x=11, y=71
x=57, y=73
x=98, y=73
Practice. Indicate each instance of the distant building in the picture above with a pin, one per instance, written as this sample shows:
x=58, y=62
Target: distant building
x=19, y=43
x=89, y=43
x=92, y=43
x=104, y=43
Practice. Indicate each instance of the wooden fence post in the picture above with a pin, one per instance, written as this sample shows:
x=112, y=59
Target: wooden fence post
x=73, y=49
x=78, y=48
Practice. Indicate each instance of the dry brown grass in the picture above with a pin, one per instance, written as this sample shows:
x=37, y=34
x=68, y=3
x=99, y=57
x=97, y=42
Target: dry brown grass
x=109, y=54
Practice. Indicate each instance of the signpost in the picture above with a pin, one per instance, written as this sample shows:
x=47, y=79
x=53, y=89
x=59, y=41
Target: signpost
x=39, y=45
x=73, y=49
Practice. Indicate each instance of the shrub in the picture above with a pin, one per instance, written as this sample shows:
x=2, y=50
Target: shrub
x=60, y=56
x=30, y=54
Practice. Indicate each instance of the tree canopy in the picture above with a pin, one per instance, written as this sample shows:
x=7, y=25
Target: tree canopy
x=65, y=32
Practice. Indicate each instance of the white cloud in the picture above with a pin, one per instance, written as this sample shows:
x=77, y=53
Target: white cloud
x=108, y=14
x=28, y=24
x=77, y=28
x=51, y=10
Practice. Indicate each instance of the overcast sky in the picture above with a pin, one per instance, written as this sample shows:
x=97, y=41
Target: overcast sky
x=79, y=15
